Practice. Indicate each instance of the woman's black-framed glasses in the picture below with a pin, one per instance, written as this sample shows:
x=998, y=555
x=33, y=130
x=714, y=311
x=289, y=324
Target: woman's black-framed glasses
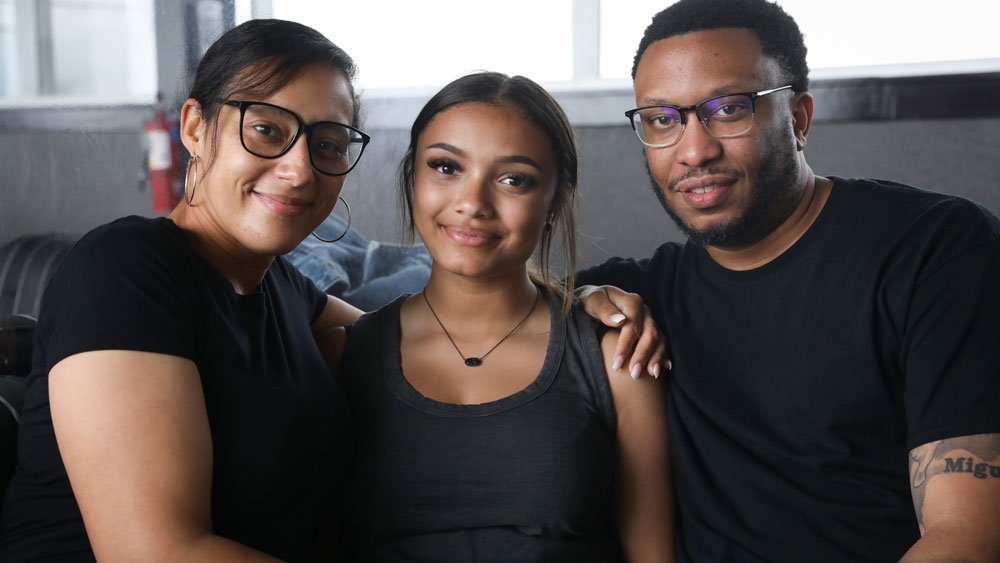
x=269, y=131
x=729, y=115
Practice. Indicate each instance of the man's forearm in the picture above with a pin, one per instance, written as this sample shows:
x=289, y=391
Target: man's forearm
x=954, y=544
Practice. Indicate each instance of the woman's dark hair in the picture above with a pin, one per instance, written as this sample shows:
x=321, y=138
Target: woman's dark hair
x=538, y=108
x=259, y=57
x=777, y=32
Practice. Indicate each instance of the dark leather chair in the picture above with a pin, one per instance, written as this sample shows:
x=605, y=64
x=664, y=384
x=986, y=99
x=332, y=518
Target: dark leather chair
x=26, y=265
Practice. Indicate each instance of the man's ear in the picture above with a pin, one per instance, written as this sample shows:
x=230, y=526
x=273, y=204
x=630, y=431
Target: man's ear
x=193, y=130
x=802, y=112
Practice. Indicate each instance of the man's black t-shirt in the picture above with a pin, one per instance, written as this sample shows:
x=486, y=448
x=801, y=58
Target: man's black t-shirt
x=276, y=414
x=800, y=387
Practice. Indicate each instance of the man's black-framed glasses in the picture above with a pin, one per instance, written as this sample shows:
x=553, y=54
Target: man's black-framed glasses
x=729, y=115
x=269, y=131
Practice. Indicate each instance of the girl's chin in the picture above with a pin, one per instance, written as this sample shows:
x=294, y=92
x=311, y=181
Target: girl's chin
x=475, y=269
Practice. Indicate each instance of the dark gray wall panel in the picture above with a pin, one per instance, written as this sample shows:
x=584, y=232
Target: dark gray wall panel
x=957, y=156
x=68, y=181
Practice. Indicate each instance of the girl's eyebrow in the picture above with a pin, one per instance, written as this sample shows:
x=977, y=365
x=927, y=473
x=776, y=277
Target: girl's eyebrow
x=517, y=158
x=447, y=147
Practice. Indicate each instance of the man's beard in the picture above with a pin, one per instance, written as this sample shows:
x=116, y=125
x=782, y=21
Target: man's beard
x=773, y=198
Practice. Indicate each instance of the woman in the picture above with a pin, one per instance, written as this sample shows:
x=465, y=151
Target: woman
x=179, y=408
x=490, y=423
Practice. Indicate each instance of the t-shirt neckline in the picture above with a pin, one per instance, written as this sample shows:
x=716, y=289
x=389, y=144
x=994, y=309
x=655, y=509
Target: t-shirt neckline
x=252, y=299
x=393, y=374
x=795, y=252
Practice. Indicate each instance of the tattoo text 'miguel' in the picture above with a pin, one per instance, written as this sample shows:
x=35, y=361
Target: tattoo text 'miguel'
x=968, y=465
x=944, y=456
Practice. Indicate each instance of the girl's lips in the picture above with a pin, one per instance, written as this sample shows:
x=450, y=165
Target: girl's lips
x=468, y=236
x=281, y=205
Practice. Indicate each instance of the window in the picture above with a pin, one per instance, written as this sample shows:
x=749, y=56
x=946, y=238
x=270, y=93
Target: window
x=402, y=43
x=104, y=50
x=893, y=38
x=98, y=50
x=847, y=38
x=8, y=52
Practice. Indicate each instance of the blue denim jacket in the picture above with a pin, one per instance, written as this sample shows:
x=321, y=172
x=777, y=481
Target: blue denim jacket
x=365, y=273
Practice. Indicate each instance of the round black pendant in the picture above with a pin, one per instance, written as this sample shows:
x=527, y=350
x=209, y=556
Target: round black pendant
x=473, y=362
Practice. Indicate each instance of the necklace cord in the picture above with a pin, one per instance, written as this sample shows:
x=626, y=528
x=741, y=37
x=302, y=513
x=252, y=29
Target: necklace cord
x=473, y=361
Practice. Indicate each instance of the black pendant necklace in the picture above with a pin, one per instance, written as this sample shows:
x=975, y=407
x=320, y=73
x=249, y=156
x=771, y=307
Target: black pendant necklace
x=473, y=361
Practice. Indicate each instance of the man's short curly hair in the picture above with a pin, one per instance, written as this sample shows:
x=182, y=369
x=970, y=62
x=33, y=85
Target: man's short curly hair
x=778, y=33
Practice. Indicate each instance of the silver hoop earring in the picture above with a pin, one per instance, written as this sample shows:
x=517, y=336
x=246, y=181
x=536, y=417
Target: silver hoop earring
x=342, y=235
x=187, y=174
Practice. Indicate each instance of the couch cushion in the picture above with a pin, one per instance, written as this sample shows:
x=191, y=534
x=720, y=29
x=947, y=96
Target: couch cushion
x=26, y=264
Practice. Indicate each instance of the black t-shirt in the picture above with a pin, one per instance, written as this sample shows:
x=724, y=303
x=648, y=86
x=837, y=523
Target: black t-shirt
x=525, y=478
x=278, y=421
x=799, y=387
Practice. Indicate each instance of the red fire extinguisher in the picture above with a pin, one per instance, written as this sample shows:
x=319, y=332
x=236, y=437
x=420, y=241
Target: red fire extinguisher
x=162, y=145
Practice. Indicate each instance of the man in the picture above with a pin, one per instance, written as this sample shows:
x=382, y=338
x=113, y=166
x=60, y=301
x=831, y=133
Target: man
x=835, y=394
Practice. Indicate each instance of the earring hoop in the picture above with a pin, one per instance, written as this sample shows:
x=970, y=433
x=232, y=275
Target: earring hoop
x=187, y=174
x=342, y=235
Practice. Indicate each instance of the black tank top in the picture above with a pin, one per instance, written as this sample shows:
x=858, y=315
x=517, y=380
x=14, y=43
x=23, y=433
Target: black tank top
x=528, y=477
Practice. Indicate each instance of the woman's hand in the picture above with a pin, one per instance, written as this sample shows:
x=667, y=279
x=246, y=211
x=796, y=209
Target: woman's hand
x=640, y=341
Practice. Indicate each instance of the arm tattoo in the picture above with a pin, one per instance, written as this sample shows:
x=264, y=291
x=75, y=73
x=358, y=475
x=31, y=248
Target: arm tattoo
x=933, y=458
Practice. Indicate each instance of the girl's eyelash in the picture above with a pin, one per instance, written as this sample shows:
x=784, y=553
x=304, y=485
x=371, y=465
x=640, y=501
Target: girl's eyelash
x=437, y=163
x=448, y=167
x=521, y=180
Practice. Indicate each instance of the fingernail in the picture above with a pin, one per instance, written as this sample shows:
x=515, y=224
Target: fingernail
x=670, y=365
x=636, y=370
x=617, y=318
x=617, y=365
x=656, y=371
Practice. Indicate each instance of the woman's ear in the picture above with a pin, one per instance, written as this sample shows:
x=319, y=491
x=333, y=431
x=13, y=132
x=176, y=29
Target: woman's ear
x=193, y=130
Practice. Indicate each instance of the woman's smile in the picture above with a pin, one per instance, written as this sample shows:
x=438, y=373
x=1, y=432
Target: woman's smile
x=282, y=205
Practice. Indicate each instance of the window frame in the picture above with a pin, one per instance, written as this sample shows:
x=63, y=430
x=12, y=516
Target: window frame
x=918, y=91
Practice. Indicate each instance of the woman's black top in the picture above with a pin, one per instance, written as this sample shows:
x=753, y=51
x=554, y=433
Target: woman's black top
x=525, y=478
x=278, y=421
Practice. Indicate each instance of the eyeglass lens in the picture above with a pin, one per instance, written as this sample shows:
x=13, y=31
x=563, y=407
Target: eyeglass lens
x=725, y=116
x=269, y=131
